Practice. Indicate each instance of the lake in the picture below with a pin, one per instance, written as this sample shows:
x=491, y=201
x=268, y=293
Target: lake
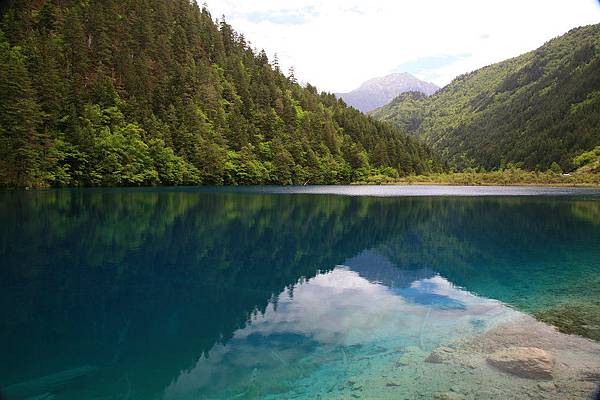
x=338, y=292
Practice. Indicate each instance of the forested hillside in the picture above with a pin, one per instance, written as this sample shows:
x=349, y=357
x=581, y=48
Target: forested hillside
x=532, y=110
x=145, y=92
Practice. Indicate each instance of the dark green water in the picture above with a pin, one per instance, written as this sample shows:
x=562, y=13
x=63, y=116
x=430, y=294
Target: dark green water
x=193, y=294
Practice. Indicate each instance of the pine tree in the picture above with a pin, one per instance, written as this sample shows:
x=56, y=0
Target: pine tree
x=21, y=146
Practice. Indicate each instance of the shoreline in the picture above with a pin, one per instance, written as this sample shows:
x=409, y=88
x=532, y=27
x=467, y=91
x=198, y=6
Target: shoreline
x=357, y=183
x=516, y=184
x=490, y=179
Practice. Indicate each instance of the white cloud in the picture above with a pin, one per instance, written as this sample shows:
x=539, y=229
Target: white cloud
x=334, y=309
x=338, y=44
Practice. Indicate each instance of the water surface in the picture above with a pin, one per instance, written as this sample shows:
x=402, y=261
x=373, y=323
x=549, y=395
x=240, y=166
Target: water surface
x=277, y=293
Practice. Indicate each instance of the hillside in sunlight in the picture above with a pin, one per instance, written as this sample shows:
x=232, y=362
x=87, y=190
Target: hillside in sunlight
x=531, y=110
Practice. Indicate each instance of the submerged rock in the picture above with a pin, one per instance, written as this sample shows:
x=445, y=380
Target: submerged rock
x=525, y=362
x=590, y=376
x=440, y=355
x=42, y=388
x=448, y=396
x=547, y=386
x=576, y=318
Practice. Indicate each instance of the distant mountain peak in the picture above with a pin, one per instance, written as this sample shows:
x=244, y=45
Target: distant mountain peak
x=377, y=92
x=396, y=77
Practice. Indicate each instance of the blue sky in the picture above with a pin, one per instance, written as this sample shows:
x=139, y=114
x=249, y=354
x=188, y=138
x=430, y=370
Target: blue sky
x=338, y=44
x=426, y=67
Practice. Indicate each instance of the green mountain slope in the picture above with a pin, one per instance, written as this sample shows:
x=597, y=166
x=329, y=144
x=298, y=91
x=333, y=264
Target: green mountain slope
x=588, y=162
x=148, y=92
x=532, y=110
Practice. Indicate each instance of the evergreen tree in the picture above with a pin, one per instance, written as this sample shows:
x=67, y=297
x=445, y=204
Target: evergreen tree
x=148, y=92
x=21, y=144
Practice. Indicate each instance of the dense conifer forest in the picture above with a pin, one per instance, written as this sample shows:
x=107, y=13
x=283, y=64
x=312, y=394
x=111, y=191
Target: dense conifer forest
x=537, y=111
x=153, y=92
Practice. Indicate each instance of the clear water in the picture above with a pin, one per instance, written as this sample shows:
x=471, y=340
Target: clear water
x=280, y=293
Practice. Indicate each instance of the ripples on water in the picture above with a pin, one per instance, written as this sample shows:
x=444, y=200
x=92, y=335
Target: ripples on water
x=276, y=293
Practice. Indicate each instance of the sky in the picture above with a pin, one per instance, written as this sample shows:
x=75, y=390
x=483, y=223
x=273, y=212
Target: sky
x=338, y=44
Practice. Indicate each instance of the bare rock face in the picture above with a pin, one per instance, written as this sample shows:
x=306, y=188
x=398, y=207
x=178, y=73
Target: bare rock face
x=525, y=362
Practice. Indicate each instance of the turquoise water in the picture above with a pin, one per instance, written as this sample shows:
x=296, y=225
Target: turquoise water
x=280, y=293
